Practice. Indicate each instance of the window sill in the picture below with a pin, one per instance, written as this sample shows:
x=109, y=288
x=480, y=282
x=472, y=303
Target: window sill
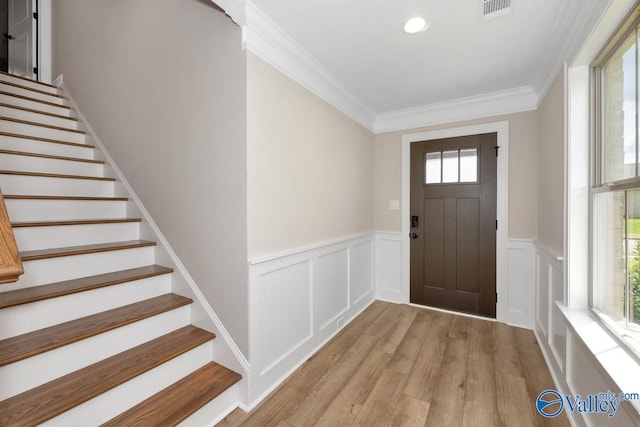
x=619, y=365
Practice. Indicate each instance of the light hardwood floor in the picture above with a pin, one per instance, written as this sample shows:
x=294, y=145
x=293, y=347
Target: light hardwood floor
x=397, y=365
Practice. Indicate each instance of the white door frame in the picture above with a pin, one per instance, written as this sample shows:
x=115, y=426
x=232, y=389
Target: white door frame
x=502, y=129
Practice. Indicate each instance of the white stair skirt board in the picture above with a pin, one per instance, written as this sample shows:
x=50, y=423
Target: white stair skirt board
x=44, y=147
x=35, y=238
x=42, y=368
x=30, y=116
x=45, y=107
x=29, y=84
x=115, y=401
x=32, y=94
x=46, y=186
x=42, y=131
x=64, y=210
x=30, y=317
x=27, y=163
x=43, y=271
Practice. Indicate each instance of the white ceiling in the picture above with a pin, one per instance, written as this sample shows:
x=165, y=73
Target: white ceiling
x=362, y=44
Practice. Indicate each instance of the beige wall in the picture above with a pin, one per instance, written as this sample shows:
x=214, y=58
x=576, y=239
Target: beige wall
x=163, y=84
x=551, y=161
x=523, y=153
x=310, y=167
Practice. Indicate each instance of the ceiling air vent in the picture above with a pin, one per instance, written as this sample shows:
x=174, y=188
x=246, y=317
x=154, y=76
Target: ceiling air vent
x=494, y=8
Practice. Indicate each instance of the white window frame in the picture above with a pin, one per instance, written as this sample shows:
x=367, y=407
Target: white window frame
x=596, y=179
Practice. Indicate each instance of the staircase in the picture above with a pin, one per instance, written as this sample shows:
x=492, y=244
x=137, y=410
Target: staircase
x=91, y=334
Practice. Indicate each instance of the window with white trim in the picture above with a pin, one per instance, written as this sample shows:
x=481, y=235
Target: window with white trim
x=615, y=191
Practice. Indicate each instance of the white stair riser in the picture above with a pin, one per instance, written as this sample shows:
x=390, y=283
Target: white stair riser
x=46, y=119
x=214, y=411
x=34, y=105
x=117, y=400
x=34, y=371
x=30, y=84
x=64, y=210
x=43, y=271
x=34, y=238
x=46, y=186
x=33, y=94
x=41, y=314
x=44, y=165
x=42, y=132
x=43, y=147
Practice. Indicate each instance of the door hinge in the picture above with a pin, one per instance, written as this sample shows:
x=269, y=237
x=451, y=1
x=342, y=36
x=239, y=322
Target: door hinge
x=497, y=147
x=35, y=70
x=35, y=15
x=496, y=224
x=496, y=297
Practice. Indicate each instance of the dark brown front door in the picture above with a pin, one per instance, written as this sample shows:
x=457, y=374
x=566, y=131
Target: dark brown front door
x=453, y=229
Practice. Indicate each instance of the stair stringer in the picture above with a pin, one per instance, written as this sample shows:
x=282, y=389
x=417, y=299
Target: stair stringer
x=225, y=351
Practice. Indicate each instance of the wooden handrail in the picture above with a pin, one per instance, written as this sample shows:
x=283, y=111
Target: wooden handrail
x=10, y=263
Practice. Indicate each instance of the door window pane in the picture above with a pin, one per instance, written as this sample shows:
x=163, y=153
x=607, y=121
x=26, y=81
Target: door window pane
x=433, y=168
x=469, y=165
x=450, y=166
x=619, y=125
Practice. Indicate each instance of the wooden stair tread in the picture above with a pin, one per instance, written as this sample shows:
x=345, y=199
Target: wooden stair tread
x=73, y=222
x=79, y=198
x=27, y=122
x=32, y=343
x=44, y=113
x=44, y=92
x=68, y=287
x=175, y=403
x=50, y=156
x=85, y=249
x=56, y=175
x=53, y=141
x=48, y=400
x=27, y=79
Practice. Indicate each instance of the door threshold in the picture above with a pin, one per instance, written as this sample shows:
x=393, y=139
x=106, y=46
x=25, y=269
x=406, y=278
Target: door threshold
x=459, y=313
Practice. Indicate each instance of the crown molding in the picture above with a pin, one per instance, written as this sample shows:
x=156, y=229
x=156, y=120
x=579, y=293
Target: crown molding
x=566, y=39
x=473, y=107
x=235, y=9
x=265, y=39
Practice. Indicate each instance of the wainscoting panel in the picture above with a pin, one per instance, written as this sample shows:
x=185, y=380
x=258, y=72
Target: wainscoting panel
x=331, y=287
x=542, y=295
x=299, y=300
x=581, y=356
x=520, y=289
x=518, y=292
x=361, y=271
x=286, y=303
x=389, y=267
x=550, y=323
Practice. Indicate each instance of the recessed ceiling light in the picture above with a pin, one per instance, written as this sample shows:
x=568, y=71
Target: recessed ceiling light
x=416, y=25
